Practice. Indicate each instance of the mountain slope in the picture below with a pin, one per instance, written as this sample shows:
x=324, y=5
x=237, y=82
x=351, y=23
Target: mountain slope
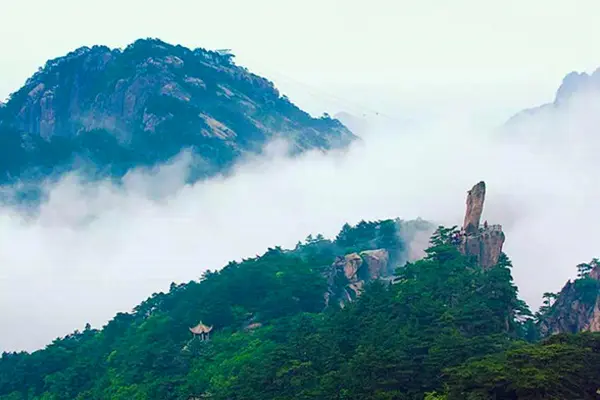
x=576, y=308
x=325, y=321
x=273, y=336
x=145, y=104
x=574, y=85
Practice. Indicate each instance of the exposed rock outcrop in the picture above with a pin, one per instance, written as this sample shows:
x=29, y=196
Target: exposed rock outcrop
x=148, y=102
x=475, y=199
x=350, y=273
x=78, y=92
x=576, y=308
x=484, y=242
x=377, y=263
x=350, y=265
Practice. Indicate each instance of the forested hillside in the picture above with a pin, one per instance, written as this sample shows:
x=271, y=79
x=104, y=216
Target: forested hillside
x=446, y=329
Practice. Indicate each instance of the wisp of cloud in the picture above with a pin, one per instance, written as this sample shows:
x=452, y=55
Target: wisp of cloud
x=95, y=249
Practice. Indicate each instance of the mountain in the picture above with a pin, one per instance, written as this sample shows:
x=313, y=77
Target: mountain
x=273, y=333
x=576, y=308
x=566, y=129
x=573, y=85
x=444, y=328
x=119, y=109
x=483, y=242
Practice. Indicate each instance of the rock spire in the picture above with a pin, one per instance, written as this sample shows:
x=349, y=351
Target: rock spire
x=482, y=242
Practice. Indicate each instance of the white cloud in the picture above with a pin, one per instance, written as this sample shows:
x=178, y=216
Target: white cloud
x=95, y=249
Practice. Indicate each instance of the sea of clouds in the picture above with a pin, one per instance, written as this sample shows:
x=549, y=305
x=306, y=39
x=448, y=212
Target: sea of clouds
x=94, y=249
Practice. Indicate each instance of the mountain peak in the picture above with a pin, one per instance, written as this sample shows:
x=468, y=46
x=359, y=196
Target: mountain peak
x=481, y=242
x=573, y=84
x=156, y=98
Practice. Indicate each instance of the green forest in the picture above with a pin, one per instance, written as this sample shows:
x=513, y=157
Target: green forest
x=444, y=329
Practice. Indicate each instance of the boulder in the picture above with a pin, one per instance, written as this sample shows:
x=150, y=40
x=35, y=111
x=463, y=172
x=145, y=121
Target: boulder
x=377, y=263
x=355, y=271
x=350, y=264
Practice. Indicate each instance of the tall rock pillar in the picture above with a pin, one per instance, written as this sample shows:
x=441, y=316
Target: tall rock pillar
x=475, y=199
x=484, y=243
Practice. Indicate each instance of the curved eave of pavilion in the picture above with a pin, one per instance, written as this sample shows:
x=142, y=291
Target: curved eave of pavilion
x=200, y=329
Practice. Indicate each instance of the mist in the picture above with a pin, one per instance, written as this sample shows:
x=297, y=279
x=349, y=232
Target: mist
x=94, y=249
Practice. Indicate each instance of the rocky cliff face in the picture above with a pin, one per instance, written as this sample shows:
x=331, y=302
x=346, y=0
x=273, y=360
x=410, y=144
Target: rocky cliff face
x=146, y=103
x=483, y=242
x=349, y=274
x=576, y=307
x=475, y=199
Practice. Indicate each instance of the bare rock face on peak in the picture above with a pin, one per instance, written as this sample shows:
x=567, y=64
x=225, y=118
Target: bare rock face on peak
x=475, y=199
x=484, y=242
x=143, y=105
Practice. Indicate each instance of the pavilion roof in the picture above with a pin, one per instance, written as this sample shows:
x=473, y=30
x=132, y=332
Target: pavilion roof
x=200, y=328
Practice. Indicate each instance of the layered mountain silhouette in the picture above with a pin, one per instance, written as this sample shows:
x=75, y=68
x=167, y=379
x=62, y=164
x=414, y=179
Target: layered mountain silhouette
x=574, y=85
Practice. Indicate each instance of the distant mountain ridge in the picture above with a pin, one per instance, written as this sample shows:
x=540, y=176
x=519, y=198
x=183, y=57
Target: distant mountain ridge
x=143, y=105
x=573, y=84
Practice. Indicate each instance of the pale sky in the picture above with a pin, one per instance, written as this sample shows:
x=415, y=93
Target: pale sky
x=392, y=56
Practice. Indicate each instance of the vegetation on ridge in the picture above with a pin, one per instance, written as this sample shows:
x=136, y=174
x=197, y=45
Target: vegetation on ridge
x=111, y=110
x=447, y=329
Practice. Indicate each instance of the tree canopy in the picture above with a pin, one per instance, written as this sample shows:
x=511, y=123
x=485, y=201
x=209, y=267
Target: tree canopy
x=446, y=329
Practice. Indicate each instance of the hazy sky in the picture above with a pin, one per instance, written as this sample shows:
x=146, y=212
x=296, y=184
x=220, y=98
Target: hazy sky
x=485, y=58
x=391, y=55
